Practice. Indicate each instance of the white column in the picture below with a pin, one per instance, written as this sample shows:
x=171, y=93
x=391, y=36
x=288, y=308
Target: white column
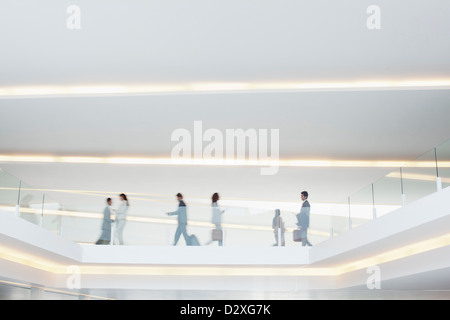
x=18, y=199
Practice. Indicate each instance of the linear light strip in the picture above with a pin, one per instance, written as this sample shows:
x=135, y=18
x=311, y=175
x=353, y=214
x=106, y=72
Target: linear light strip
x=416, y=176
x=215, y=87
x=400, y=253
x=389, y=256
x=92, y=192
x=225, y=162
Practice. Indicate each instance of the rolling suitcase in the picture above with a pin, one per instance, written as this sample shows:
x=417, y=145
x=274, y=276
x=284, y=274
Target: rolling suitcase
x=193, y=241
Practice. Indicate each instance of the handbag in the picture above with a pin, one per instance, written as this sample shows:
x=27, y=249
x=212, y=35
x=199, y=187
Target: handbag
x=298, y=235
x=217, y=235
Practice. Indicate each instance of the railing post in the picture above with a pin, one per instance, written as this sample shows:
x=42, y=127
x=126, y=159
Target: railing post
x=438, y=179
x=349, y=216
x=403, y=191
x=42, y=211
x=18, y=199
x=374, y=209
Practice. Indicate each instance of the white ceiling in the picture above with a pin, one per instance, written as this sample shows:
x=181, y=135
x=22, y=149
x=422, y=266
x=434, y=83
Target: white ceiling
x=394, y=125
x=221, y=41
x=207, y=41
x=383, y=125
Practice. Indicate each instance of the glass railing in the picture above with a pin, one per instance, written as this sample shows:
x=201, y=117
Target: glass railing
x=28, y=203
x=77, y=215
x=443, y=163
x=147, y=221
x=414, y=180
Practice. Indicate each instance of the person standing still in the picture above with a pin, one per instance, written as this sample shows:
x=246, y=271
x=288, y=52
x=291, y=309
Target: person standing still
x=121, y=216
x=278, y=223
x=182, y=220
x=303, y=218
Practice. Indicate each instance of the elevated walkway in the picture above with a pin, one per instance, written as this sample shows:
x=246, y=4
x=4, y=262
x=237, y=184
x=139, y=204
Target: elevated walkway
x=413, y=241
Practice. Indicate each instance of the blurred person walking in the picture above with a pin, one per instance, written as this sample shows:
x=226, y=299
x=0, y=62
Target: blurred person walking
x=121, y=216
x=217, y=233
x=105, y=237
x=182, y=220
x=278, y=223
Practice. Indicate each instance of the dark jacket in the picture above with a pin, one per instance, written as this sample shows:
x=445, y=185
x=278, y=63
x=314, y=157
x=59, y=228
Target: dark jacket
x=303, y=216
x=106, y=225
x=181, y=213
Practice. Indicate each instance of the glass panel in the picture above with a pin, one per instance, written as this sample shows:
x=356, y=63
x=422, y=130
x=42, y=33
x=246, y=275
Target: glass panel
x=80, y=215
x=443, y=154
x=319, y=224
x=388, y=193
x=9, y=191
x=147, y=221
x=52, y=215
x=31, y=204
x=240, y=226
x=339, y=216
x=419, y=177
x=361, y=207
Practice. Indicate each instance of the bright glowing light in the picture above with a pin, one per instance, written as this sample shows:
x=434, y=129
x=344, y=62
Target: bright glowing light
x=416, y=176
x=211, y=87
x=396, y=254
x=224, y=162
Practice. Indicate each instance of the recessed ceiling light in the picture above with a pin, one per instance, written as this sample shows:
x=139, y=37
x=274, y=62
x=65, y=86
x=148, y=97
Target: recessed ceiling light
x=214, y=87
x=223, y=162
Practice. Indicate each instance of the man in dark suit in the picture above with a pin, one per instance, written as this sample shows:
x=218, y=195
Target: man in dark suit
x=182, y=220
x=303, y=219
